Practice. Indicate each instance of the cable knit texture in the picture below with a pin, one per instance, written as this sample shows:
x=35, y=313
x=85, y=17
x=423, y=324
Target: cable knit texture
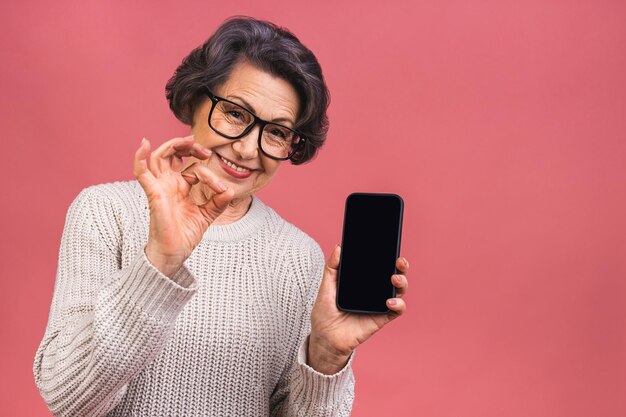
x=225, y=336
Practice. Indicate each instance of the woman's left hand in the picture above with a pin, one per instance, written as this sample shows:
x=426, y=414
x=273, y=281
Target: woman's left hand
x=335, y=333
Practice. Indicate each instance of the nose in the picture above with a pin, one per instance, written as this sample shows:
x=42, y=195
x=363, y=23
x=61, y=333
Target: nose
x=247, y=146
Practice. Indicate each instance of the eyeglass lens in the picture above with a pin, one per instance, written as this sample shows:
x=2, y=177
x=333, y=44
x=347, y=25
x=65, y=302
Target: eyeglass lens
x=232, y=120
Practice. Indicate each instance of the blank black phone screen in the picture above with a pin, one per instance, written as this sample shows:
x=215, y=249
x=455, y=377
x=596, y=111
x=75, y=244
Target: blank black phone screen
x=370, y=246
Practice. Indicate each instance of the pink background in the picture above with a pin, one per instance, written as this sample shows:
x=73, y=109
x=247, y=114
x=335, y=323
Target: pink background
x=501, y=123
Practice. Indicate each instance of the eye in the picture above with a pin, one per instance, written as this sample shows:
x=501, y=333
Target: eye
x=235, y=114
x=277, y=133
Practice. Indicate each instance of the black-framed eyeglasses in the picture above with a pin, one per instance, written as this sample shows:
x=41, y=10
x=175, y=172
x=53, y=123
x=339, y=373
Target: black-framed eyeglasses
x=233, y=121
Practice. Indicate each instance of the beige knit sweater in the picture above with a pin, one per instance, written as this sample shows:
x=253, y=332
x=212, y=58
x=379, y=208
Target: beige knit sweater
x=226, y=336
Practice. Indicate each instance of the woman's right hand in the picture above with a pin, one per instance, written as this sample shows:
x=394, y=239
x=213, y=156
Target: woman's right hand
x=177, y=223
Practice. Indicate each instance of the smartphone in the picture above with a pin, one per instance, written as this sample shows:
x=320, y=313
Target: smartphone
x=370, y=245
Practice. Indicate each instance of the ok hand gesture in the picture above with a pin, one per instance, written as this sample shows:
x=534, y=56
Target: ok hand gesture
x=177, y=222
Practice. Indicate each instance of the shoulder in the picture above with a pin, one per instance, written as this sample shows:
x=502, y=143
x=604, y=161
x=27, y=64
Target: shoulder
x=120, y=192
x=109, y=208
x=291, y=237
x=111, y=198
x=295, y=246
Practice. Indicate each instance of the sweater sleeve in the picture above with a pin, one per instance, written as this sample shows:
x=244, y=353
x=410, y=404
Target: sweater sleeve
x=304, y=391
x=106, y=323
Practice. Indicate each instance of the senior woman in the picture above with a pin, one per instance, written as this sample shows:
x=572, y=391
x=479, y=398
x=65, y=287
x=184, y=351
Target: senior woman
x=181, y=293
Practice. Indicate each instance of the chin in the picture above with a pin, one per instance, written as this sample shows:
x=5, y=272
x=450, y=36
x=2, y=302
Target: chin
x=241, y=193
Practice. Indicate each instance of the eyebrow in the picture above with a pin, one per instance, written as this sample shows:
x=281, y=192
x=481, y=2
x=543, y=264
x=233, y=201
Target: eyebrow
x=251, y=108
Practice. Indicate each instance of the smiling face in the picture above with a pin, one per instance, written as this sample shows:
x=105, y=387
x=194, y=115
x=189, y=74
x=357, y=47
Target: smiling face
x=239, y=163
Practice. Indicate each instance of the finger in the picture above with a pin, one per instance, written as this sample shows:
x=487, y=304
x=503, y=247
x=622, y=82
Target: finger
x=196, y=173
x=160, y=160
x=329, y=279
x=332, y=263
x=196, y=150
x=402, y=265
x=401, y=283
x=333, y=260
x=176, y=163
x=397, y=307
x=140, y=164
x=189, y=149
x=217, y=204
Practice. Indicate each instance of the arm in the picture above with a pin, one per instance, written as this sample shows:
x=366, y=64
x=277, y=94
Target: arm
x=335, y=334
x=106, y=324
x=303, y=391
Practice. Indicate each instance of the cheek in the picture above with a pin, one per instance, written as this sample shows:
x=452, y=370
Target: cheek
x=270, y=167
x=205, y=136
x=212, y=140
x=266, y=176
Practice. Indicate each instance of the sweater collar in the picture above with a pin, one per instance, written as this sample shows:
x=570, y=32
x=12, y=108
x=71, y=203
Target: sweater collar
x=256, y=216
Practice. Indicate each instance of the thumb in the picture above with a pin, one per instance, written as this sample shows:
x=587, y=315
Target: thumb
x=212, y=209
x=331, y=268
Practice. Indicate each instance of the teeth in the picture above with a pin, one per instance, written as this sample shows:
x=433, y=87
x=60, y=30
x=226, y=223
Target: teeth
x=233, y=166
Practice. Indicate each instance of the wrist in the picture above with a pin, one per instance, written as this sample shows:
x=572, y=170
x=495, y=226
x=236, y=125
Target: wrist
x=167, y=265
x=323, y=357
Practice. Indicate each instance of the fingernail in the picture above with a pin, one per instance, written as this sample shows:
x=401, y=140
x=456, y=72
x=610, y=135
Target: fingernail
x=221, y=186
x=207, y=151
x=188, y=137
x=392, y=301
x=406, y=262
x=397, y=278
x=143, y=140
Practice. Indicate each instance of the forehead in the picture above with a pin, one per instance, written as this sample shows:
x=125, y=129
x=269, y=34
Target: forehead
x=269, y=96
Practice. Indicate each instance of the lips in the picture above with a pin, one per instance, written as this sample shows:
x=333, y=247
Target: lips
x=233, y=169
